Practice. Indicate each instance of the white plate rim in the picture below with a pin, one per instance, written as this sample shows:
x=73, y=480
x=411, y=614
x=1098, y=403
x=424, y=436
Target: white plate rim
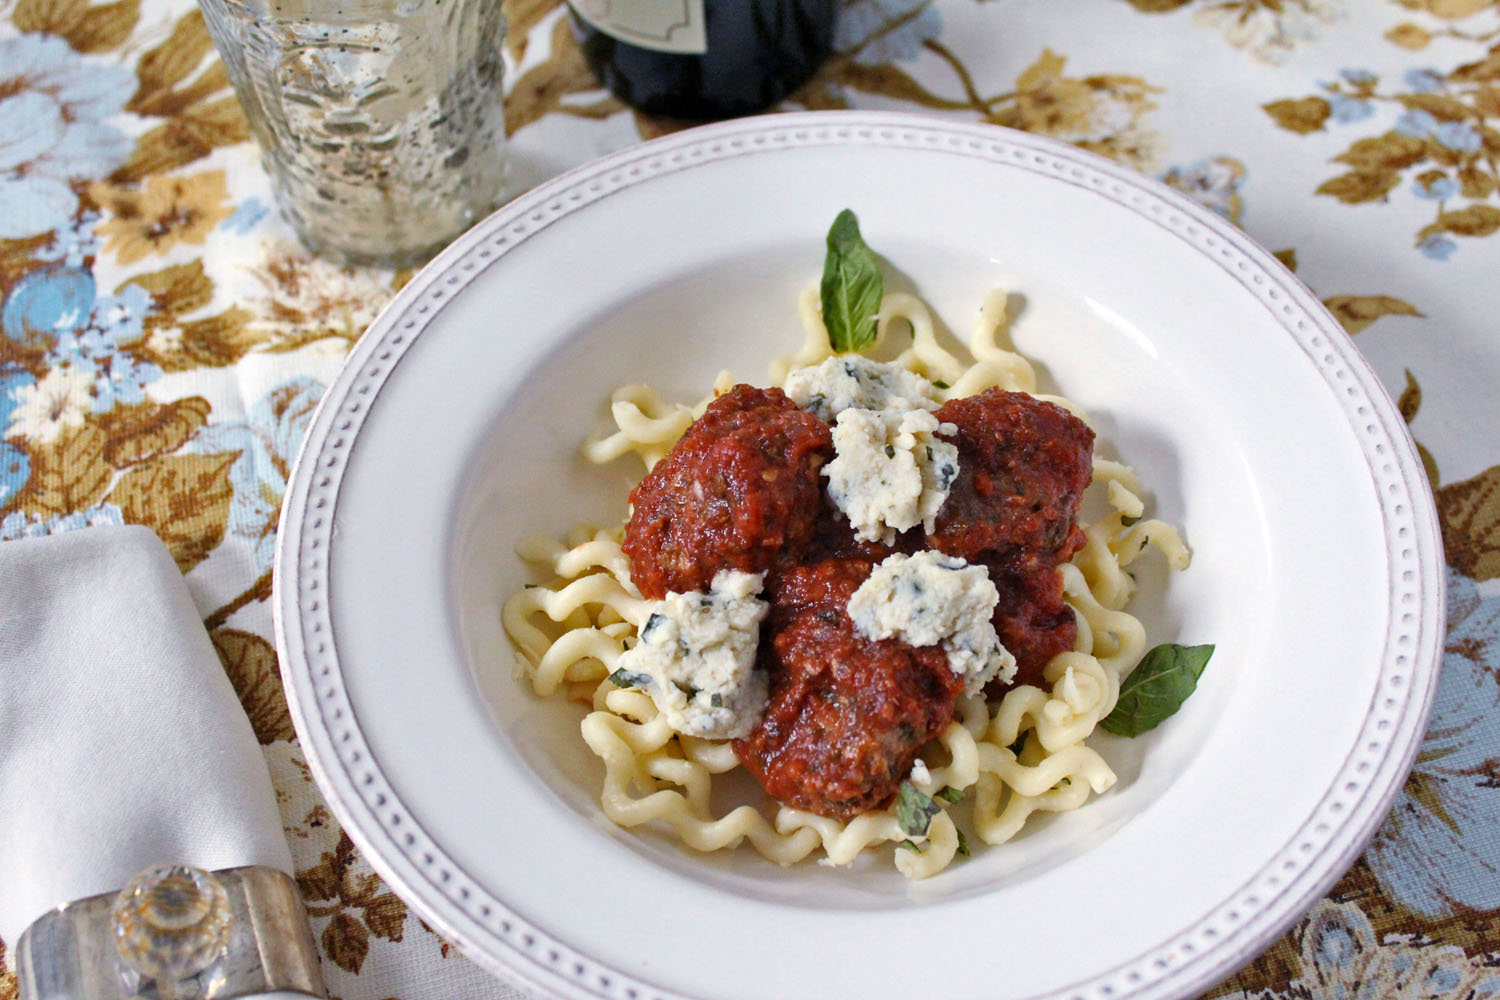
x=491, y=933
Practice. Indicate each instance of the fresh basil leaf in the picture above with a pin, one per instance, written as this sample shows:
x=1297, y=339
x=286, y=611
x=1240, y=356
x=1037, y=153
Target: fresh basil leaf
x=625, y=679
x=1128, y=521
x=914, y=810
x=910, y=845
x=963, y=844
x=852, y=286
x=1157, y=688
x=951, y=794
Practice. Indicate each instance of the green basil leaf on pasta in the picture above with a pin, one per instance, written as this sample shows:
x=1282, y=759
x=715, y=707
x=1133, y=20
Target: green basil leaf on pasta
x=948, y=794
x=625, y=679
x=963, y=844
x=852, y=286
x=1129, y=521
x=1156, y=689
x=914, y=810
x=910, y=845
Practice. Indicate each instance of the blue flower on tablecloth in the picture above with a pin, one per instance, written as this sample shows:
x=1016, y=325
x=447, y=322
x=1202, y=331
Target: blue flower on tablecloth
x=1339, y=956
x=1423, y=80
x=244, y=218
x=267, y=442
x=1461, y=137
x=15, y=469
x=1358, y=76
x=1213, y=182
x=73, y=243
x=54, y=130
x=1437, y=189
x=119, y=378
x=1417, y=123
x=46, y=304
x=1439, y=850
x=14, y=380
x=878, y=31
x=18, y=524
x=1437, y=247
x=115, y=320
x=1348, y=109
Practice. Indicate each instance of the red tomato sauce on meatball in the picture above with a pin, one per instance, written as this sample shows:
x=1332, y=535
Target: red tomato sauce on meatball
x=738, y=489
x=848, y=715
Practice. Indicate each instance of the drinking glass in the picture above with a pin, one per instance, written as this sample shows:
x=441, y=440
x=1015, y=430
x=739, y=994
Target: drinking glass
x=379, y=121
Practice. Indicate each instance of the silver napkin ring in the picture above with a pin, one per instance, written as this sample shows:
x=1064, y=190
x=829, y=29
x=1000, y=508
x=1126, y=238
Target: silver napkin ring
x=175, y=933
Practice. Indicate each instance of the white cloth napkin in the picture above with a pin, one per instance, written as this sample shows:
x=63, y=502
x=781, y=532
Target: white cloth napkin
x=122, y=744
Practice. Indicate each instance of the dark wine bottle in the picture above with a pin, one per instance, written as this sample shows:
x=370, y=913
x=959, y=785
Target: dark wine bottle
x=703, y=59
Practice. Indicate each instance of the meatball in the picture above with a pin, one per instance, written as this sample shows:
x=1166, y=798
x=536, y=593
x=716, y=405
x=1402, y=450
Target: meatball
x=847, y=715
x=833, y=537
x=1031, y=619
x=738, y=487
x=1023, y=466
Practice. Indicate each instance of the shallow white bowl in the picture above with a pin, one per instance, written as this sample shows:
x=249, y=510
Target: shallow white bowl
x=454, y=429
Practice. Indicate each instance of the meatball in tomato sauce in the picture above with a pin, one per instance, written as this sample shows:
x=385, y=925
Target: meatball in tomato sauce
x=847, y=715
x=1023, y=465
x=739, y=488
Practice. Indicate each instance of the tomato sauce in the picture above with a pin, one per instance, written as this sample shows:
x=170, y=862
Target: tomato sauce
x=848, y=715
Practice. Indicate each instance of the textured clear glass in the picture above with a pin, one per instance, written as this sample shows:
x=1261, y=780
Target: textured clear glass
x=170, y=923
x=379, y=121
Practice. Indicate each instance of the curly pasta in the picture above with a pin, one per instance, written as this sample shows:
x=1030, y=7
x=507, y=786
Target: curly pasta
x=1026, y=754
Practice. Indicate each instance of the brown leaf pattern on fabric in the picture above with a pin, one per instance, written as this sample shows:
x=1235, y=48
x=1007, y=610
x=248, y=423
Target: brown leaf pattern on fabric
x=1470, y=514
x=86, y=29
x=189, y=136
x=251, y=664
x=341, y=886
x=1356, y=312
x=544, y=88
x=1410, y=402
x=346, y=942
x=136, y=433
x=1444, y=142
x=1303, y=115
x=68, y=474
x=10, y=989
x=385, y=915
x=161, y=68
x=183, y=498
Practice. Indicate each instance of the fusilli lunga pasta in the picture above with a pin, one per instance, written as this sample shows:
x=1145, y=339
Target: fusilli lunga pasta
x=1027, y=754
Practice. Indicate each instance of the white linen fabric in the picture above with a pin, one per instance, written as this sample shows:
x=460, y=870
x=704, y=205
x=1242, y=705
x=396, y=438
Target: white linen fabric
x=122, y=743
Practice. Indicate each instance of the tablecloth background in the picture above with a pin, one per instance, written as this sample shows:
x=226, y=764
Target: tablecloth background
x=165, y=341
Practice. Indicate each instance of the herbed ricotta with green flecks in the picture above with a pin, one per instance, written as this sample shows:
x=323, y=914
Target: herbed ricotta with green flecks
x=850, y=382
x=695, y=657
x=890, y=471
x=931, y=599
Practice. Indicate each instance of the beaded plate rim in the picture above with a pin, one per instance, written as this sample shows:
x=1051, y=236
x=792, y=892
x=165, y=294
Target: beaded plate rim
x=496, y=937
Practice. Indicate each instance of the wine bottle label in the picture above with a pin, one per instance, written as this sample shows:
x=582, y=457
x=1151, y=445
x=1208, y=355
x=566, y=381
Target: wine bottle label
x=662, y=25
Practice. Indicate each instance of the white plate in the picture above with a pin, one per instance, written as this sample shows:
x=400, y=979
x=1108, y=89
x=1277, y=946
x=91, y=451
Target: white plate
x=453, y=431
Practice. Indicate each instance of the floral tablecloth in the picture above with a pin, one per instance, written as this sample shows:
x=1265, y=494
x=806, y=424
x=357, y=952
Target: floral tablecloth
x=165, y=341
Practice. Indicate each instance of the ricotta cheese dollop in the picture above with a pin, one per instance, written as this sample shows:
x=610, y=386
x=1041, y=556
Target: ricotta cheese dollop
x=932, y=599
x=695, y=657
x=850, y=382
x=890, y=471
